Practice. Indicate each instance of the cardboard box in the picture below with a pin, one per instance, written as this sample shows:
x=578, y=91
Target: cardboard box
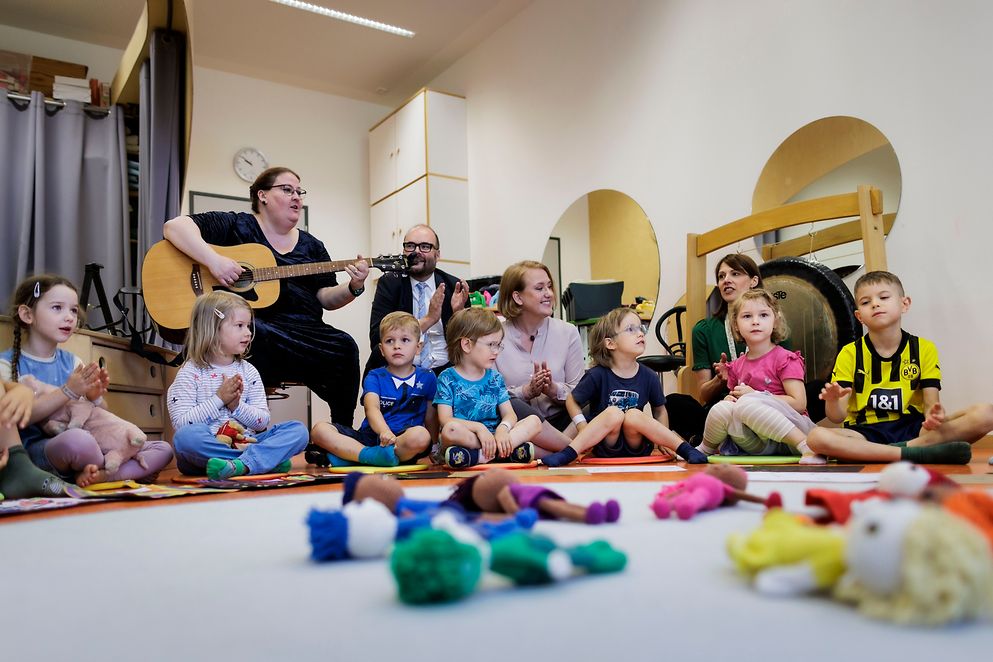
x=15, y=71
x=44, y=71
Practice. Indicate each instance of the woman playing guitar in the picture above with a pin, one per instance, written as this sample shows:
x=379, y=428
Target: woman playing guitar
x=291, y=342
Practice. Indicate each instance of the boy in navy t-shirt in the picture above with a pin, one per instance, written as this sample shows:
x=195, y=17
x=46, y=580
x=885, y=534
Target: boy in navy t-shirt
x=617, y=389
x=400, y=420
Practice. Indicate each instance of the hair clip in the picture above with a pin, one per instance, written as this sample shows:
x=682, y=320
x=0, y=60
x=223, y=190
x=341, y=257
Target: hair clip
x=219, y=314
x=37, y=289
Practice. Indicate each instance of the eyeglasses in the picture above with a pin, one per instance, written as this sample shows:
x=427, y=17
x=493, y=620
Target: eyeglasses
x=289, y=190
x=423, y=247
x=635, y=329
x=493, y=346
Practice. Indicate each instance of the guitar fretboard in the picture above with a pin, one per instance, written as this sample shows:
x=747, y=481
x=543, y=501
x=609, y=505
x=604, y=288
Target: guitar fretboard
x=293, y=270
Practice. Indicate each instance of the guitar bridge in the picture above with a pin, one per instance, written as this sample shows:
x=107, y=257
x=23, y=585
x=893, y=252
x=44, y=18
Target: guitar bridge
x=196, y=281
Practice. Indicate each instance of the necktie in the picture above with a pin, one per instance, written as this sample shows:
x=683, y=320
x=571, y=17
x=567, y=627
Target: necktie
x=420, y=311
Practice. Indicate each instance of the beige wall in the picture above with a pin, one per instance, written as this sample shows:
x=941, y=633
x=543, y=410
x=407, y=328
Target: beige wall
x=622, y=245
x=680, y=103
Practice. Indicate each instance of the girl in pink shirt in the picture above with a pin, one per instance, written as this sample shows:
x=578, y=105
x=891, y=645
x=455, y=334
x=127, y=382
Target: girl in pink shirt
x=766, y=412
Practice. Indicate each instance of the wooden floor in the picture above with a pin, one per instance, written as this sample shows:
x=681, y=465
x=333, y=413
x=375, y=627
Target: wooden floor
x=982, y=451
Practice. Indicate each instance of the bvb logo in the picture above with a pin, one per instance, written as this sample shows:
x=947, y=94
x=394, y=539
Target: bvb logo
x=910, y=371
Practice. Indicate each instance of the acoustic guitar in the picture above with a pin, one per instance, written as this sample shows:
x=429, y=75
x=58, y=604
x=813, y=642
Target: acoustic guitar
x=171, y=281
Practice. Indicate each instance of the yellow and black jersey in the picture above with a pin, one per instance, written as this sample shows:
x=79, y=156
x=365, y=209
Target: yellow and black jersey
x=883, y=389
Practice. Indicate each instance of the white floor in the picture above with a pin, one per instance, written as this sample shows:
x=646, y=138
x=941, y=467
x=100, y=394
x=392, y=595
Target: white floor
x=231, y=580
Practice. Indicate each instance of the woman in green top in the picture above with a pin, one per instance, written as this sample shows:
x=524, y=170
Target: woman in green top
x=713, y=341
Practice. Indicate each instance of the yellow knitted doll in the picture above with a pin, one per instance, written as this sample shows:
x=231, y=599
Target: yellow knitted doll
x=789, y=555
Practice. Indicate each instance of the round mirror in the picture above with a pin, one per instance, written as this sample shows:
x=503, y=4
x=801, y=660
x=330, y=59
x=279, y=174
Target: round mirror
x=826, y=157
x=604, y=236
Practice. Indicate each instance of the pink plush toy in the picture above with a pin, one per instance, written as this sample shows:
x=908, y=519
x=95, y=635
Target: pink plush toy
x=718, y=485
x=119, y=440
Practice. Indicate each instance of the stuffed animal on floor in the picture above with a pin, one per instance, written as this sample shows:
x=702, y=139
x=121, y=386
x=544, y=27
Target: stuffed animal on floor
x=366, y=528
x=119, y=440
x=385, y=489
x=916, y=564
x=445, y=565
x=360, y=530
x=498, y=491
x=899, y=479
x=234, y=434
x=718, y=485
x=789, y=555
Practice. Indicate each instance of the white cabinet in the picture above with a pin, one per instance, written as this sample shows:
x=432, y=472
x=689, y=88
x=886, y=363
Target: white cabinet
x=392, y=217
x=397, y=149
x=418, y=174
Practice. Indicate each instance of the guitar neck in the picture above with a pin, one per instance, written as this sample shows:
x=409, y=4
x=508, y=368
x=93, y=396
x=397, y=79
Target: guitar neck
x=304, y=269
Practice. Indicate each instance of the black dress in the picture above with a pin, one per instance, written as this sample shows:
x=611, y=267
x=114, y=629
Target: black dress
x=292, y=343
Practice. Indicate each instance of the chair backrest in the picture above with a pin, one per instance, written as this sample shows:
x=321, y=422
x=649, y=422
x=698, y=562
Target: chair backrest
x=677, y=348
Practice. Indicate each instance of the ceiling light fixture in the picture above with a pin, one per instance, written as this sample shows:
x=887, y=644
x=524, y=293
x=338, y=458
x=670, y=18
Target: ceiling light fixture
x=349, y=18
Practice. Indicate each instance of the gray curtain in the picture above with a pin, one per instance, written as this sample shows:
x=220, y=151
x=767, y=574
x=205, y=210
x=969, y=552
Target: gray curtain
x=160, y=138
x=65, y=194
x=161, y=134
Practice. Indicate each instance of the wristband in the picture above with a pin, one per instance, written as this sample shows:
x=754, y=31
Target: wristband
x=357, y=291
x=578, y=418
x=69, y=393
x=508, y=425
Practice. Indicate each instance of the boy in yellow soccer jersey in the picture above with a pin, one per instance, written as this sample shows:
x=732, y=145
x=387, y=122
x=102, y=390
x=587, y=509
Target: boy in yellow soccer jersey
x=885, y=388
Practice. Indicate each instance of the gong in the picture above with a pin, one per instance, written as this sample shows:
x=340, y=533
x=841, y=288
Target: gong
x=818, y=308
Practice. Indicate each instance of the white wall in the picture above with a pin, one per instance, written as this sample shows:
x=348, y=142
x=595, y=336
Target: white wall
x=679, y=104
x=101, y=60
x=322, y=137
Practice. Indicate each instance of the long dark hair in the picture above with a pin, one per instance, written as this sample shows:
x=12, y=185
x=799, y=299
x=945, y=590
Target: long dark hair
x=739, y=262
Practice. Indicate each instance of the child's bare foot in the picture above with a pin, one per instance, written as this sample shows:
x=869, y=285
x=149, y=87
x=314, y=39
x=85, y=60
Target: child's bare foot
x=89, y=475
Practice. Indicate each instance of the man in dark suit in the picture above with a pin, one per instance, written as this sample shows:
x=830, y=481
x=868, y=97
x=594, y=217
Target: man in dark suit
x=430, y=294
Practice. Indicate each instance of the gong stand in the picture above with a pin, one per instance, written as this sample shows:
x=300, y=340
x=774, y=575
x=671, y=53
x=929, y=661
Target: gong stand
x=866, y=204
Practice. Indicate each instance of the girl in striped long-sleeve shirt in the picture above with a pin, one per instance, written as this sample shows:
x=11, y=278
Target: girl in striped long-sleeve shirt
x=216, y=384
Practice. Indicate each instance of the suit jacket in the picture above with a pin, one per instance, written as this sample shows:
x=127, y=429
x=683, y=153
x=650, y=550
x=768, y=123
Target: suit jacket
x=394, y=294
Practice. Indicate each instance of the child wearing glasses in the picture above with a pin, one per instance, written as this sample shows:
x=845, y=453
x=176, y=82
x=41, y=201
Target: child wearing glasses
x=766, y=411
x=478, y=423
x=616, y=390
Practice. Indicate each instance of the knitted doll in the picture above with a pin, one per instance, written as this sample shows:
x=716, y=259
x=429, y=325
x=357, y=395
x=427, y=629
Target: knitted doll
x=444, y=565
x=916, y=564
x=899, y=479
x=789, y=555
x=498, y=491
x=718, y=485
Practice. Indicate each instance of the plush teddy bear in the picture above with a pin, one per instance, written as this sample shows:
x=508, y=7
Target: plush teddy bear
x=234, y=434
x=119, y=440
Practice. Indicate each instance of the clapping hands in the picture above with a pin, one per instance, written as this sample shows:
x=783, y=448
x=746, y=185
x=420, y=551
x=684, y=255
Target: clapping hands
x=541, y=382
x=721, y=367
x=15, y=405
x=230, y=391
